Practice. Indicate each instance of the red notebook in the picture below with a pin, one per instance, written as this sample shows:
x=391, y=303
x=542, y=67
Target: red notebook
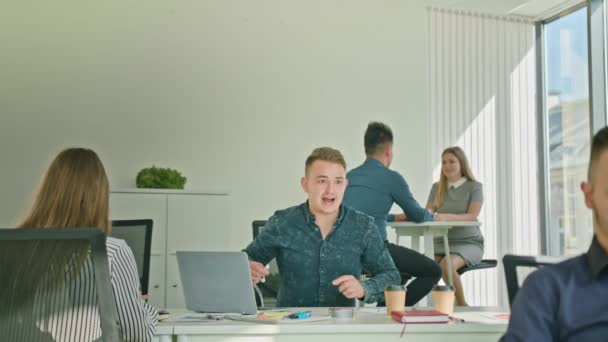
x=420, y=316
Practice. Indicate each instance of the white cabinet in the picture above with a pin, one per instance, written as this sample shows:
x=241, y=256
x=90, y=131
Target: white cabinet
x=183, y=221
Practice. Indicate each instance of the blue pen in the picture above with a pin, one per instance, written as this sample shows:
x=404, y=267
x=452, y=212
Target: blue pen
x=299, y=315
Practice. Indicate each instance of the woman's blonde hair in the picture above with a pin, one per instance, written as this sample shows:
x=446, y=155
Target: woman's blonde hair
x=74, y=193
x=465, y=170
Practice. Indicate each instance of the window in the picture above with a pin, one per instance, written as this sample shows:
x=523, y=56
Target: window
x=568, y=132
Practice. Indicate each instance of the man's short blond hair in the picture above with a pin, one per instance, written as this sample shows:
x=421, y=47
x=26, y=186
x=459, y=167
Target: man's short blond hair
x=325, y=154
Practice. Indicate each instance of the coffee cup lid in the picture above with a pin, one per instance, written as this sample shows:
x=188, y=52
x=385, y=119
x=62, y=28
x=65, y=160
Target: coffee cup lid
x=443, y=288
x=394, y=288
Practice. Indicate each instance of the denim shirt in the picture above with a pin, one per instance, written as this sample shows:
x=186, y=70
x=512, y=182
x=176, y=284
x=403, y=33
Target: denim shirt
x=373, y=188
x=308, y=264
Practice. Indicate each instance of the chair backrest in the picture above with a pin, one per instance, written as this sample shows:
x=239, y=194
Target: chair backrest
x=55, y=286
x=518, y=267
x=270, y=288
x=138, y=235
x=257, y=226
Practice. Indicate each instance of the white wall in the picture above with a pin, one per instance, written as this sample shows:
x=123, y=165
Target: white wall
x=234, y=93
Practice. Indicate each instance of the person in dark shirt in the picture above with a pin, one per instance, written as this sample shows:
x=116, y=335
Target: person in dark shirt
x=568, y=301
x=322, y=245
x=372, y=189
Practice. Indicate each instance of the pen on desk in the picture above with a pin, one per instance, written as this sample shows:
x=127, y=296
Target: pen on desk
x=299, y=315
x=456, y=319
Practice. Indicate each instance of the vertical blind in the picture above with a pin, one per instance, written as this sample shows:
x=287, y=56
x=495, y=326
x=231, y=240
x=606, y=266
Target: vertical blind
x=482, y=98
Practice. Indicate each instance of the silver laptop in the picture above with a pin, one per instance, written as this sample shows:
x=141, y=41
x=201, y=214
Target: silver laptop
x=217, y=282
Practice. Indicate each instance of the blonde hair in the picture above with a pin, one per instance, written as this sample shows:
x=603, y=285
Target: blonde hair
x=326, y=154
x=74, y=193
x=465, y=170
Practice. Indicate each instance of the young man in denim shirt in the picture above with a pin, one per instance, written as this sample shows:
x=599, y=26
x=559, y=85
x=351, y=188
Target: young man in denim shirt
x=322, y=245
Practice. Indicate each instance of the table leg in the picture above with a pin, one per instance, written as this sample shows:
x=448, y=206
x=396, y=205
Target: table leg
x=416, y=242
x=429, y=249
x=448, y=261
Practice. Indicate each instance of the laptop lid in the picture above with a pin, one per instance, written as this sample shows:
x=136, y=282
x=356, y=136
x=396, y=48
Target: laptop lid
x=217, y=282
x=138, y=236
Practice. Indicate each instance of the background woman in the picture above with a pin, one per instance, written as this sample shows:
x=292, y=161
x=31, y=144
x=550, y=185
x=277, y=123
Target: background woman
x=75, y=193
x=457, y=197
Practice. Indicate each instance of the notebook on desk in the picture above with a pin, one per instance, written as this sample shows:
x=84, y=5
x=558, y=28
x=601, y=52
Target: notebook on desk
x=276, y=317
x=217, y=282
x=420, y=316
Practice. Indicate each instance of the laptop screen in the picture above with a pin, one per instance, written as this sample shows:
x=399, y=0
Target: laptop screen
x=138, y=235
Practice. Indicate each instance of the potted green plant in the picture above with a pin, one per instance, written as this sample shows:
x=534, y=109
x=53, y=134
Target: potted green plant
x=160, y=178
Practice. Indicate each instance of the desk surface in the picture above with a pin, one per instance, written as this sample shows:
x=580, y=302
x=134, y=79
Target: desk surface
x=365, y=322
x=434, y=224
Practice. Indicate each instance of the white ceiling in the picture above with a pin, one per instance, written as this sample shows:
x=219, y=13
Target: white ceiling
x=537, y=9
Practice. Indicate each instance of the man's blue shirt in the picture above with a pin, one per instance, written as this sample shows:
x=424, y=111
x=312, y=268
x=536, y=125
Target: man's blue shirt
x=563, y=302
x=373, y=188
x=308, y=264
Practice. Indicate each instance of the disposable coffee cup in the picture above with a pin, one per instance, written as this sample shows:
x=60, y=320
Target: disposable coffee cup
x=443, y=296
x=394, y=296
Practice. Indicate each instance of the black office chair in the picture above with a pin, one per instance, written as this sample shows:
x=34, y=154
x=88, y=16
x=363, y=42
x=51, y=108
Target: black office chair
x=55, y=285
x=269, y=289
x=483, y=264
x=138, y=236
x=257, y=226
x=517, y=265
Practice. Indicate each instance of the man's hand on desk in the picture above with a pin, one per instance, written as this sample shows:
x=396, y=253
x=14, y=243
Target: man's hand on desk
x=349, y=286
x=438, y=217
x=257, y=271
x=401, y=218
x=455, y=217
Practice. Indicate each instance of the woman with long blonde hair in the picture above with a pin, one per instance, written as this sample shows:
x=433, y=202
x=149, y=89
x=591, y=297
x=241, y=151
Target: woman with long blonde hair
x=458, y=196
x=74, y=193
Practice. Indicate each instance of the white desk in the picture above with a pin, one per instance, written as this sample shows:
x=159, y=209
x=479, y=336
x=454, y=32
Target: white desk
x=429, y=230
x=163, y=333
x=365, y=327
